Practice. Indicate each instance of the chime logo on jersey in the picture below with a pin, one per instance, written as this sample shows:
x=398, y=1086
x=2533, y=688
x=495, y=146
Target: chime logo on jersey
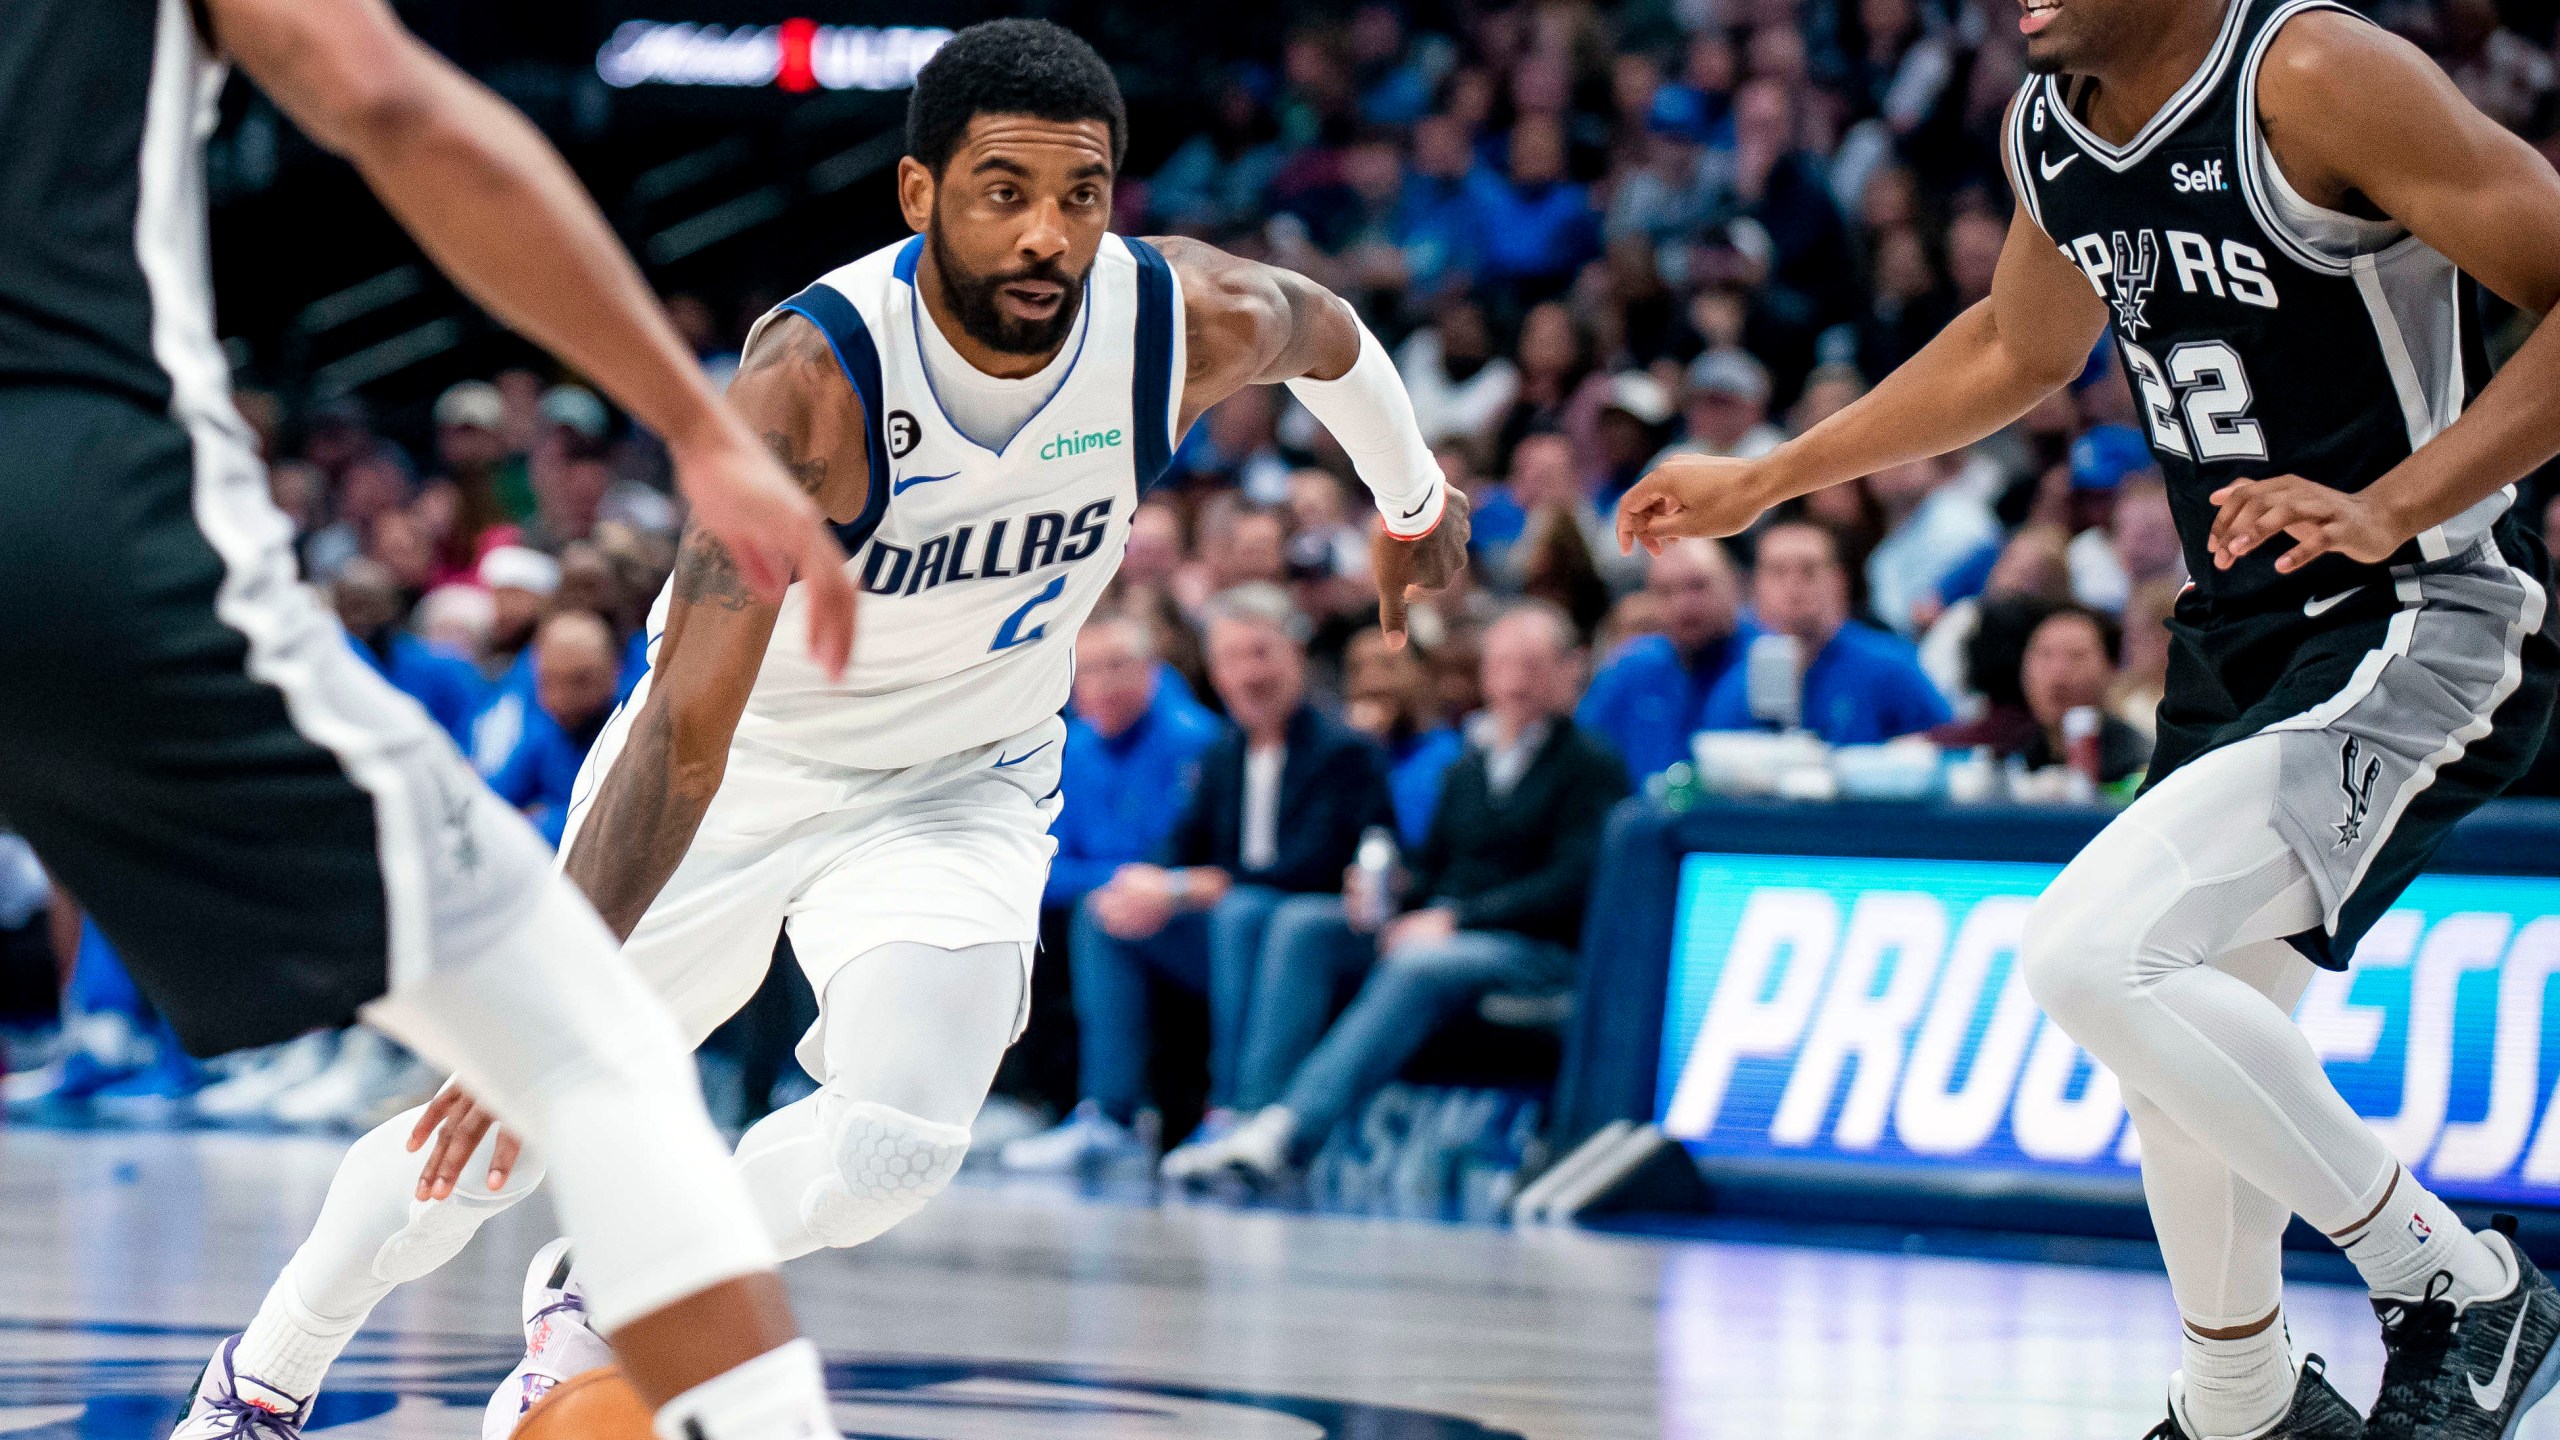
x=1002, y=549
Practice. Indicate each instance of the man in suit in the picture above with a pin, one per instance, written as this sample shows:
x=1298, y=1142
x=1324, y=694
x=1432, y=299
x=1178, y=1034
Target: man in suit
x=1497, y=895
x=1283, y=797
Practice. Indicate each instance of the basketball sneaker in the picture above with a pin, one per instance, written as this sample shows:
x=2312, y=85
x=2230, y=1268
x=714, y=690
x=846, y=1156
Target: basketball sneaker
x=558, y=1341
x=232, y=1406
x=2319, y=1412
x=2468, y=1371
x=1086, y=1140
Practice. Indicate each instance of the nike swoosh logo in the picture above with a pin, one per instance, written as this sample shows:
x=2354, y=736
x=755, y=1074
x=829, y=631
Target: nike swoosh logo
x=2050, y=170
x=912, y=481
x=1416, y=510
x=2327, y=603
x=1025, y=755
x=2494, y=1394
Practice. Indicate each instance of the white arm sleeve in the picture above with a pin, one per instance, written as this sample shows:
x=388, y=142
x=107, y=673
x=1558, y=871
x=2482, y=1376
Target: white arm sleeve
x=1368, y=411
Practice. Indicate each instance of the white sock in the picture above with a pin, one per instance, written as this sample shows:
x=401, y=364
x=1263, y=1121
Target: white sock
x=2414, y=1236
x=288, y=1347
x=779, y=1395
x=2235, y=1389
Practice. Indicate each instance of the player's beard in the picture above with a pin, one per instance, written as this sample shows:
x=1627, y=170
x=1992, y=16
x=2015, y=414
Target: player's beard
x=971, y=299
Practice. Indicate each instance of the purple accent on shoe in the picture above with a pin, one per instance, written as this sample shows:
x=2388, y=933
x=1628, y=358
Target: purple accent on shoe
x=250, y=1420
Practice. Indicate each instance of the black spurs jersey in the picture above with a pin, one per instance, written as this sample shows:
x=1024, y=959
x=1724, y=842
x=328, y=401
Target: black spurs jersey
x=104, y=106
x=2262, y=335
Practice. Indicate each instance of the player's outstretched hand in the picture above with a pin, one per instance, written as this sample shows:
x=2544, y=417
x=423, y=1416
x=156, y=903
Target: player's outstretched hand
x=1691, y=495
x=774, y=532
x=2319, y=519
x=1420, y=565
x=464, y=1124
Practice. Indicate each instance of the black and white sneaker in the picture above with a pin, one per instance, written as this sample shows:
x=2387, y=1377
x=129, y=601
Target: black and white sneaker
x=2318, y=1413
x=2467, y=1372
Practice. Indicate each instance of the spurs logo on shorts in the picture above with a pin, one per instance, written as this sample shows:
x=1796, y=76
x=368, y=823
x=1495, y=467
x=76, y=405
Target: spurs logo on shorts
x=2359, y=789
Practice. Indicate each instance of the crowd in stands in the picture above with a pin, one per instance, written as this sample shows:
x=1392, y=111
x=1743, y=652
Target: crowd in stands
x=1592, y=236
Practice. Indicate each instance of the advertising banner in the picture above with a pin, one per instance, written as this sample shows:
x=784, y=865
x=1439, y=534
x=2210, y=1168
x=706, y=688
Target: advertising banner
x=1872, y=1011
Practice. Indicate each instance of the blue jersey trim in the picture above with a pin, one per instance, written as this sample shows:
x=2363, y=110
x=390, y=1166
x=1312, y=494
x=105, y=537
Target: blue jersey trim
x=904, y=267
x=837, y=319
x=1153, y=387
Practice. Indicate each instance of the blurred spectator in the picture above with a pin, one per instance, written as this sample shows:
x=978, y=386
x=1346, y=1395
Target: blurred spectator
x=2143, y=674
x=370, y=605
x=1567, y=551
x=1460, y=387
x=1154, y=550
x=520, y=583
x=1631, y=426
x=455, y=620
x=569, y=493
x=2138, y=546
x=1559, y=389
x=1534, y=226
x=1860, y=685
x=373, y=483
x=471, y=450
x=1651, y=696
x=1237, y=446
x=1282, y=799
x=2030, y=566
x=1435, y=226
x=1134, y=738
x=1932, y=523
x=576, y=667
x=2071, y=664
x=1388, y=695
x=1497, y=893
x=1216, y=179
x=1724, y=406
x=1782, y=187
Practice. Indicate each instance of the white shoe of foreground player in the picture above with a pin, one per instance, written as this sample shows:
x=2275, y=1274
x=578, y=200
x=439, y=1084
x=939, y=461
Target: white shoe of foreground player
x=558, y=1341
x=231, y=1406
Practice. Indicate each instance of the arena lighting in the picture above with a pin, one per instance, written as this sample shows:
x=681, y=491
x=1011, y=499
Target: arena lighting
x=798, y=55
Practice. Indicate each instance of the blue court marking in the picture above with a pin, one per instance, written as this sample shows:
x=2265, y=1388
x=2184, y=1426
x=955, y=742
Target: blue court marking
x=128, y=1381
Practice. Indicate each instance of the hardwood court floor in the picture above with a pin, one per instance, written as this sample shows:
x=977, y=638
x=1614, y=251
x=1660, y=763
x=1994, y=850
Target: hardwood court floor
x=1007, y=1312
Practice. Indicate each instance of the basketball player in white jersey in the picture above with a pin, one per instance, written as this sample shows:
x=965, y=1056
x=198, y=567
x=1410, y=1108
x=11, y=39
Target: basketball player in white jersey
x=979, y=409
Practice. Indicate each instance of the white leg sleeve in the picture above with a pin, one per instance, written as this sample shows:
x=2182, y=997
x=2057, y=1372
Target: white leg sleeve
x=912, y=1035
x=559, y=1036
x=2117, y=951
x=2221, y=1237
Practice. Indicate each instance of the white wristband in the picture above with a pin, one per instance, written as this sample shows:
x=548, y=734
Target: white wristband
x=1368, y=412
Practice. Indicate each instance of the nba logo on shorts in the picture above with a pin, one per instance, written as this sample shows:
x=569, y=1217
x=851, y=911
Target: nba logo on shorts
x=2419, y=1230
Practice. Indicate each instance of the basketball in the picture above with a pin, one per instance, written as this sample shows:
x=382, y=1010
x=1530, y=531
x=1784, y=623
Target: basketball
x=598, y=1405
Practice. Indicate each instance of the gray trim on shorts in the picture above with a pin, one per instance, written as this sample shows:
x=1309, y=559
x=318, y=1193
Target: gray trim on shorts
x=2451, y=655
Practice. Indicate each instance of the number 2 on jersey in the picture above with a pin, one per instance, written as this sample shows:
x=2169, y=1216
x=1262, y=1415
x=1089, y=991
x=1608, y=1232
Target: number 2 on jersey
x=2215, y=424
x=1011, y=633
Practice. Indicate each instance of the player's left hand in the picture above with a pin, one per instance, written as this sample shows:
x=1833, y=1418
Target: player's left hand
x=1420, y=565
x=2320, y=520
x=464, y=1124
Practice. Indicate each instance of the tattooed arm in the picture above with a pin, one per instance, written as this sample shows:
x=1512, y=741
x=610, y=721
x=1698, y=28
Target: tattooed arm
x=791, y=390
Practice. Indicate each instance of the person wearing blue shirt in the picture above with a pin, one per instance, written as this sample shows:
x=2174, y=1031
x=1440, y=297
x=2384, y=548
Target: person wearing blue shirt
x=1134, y=737
x=368, y=602
x=1861, y=685
x=574, y=674
x=1650, y=697
x=1534, y=224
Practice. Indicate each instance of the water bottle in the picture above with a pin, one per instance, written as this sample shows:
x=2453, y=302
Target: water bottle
x=1369, y=900
x=2080, y=750
x=1773, y=681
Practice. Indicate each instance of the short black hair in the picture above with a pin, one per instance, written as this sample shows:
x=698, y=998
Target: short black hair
x=1010, y=67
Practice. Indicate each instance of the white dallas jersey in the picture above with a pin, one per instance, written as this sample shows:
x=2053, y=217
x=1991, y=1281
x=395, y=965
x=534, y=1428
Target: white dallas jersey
x=977, y=566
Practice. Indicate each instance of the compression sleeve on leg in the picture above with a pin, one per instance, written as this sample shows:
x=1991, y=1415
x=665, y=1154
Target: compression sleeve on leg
x=562, y=1040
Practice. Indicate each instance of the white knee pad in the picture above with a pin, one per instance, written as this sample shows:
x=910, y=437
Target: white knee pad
x=889, y=1164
